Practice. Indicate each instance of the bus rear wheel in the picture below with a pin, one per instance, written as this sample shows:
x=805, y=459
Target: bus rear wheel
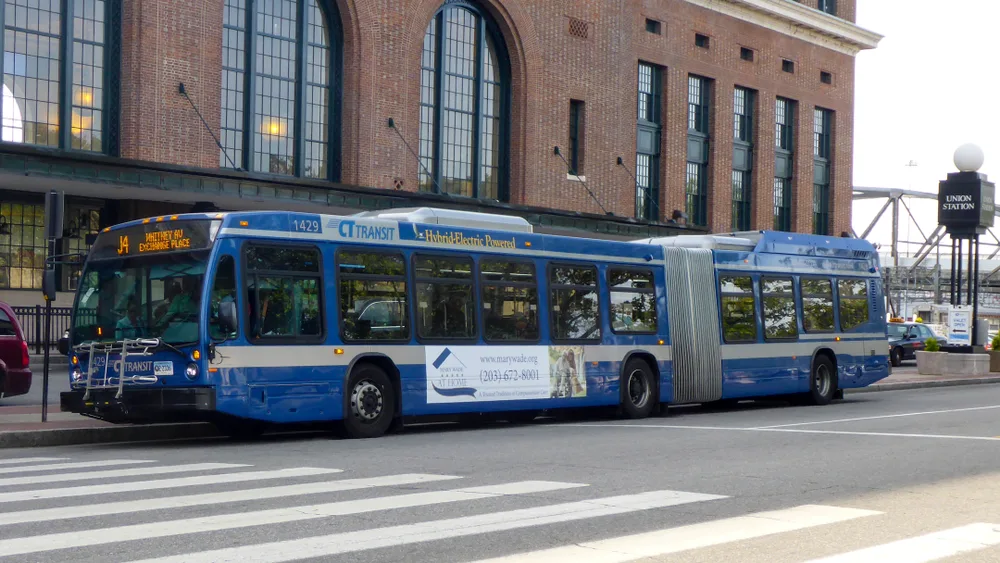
x=371, y=402
x=637, y=389
x=822, y=381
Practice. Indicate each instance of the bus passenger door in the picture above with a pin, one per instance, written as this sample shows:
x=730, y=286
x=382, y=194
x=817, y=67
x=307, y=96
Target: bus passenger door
x=223, y=337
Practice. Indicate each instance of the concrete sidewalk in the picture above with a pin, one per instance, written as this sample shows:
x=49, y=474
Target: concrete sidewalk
x=22, y=426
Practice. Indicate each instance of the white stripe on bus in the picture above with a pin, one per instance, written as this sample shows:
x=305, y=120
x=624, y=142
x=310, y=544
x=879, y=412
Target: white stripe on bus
x=66, y=540
x=240, y=495
x=175, y=483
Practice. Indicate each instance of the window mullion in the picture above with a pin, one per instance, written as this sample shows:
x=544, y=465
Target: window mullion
x=66, y=78
x=438, y=103
x=249, y=83
x=299, y=143
x=477, y=104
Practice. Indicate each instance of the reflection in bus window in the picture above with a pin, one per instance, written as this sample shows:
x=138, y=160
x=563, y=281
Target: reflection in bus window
x=283, y=292
x=445, y=305
x=510, y=300
x=633, y=307
x=738, y=321
x=373, y=303
x=575, y=313
x=817, y=305
x=779, y=308
x=853, y=303
x=223, y=290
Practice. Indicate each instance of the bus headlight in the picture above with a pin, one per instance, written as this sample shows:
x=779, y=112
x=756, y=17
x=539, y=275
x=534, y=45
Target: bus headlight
x=76, y=375
x=192, y=370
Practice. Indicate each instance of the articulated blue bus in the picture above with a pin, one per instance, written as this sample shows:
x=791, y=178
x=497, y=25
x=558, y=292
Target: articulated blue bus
x=249, y=318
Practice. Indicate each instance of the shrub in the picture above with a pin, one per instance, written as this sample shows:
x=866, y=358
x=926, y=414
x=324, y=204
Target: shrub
x=995, y=344
x=931, y=345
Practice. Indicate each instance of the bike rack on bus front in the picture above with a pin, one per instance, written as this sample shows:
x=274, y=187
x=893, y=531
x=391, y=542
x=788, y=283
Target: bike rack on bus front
x=128, y=347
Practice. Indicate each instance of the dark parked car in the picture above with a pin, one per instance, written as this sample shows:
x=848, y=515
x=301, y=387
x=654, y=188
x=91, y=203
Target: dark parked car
x=15, y=373
x=906, y=338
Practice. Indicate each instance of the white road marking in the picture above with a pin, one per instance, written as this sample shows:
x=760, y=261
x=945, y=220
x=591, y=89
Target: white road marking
x=879, y=417
x=87, y=510
x=114, y=473
x=351, y=542
x=74, y=465
x=29, y=460
x=792, y=430
x=929, y=547
x=130, y=486
x=76, y=539
x=686, y=538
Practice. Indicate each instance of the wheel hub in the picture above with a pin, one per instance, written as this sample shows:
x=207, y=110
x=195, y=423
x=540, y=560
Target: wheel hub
x=366, y=401
x=638, y=391
x=823, y=380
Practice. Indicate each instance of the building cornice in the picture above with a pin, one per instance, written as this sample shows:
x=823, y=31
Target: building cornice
x=799, y=21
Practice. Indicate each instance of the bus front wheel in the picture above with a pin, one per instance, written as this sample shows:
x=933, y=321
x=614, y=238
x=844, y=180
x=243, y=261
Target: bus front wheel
x=638, y=389
x=371, y=402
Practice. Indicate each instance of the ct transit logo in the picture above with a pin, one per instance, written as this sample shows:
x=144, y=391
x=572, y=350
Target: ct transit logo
x=446, y=364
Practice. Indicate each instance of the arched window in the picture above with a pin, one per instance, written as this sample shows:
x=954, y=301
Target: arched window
x=39, y=37
x=464, y=107
x=289, y=123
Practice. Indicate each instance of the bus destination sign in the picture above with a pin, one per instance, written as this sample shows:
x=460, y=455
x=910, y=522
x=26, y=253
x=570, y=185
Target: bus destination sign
x=153, y=238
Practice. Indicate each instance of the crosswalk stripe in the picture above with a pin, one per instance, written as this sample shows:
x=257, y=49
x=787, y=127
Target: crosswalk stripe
x=178, y=482
x=76, y=539
x=74, y=465
x=35, y=479
x=928, y=547
x=694, y=536
x=61, y=513
x=29, y=460
x=350, y=542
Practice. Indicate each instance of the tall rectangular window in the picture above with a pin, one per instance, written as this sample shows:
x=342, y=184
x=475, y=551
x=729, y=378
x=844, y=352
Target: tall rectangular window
x=576, y=137
x=696, y=184
x=743, y=102
x=647, y=160
x=822, y=120
x=784, y=119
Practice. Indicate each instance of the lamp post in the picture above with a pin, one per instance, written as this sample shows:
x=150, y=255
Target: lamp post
x=965, y=210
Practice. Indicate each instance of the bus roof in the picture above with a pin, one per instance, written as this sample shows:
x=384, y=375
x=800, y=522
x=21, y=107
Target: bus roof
x=446, y=228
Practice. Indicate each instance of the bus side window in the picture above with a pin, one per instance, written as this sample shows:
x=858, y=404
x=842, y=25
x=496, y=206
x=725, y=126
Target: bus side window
x=446, y=306
x=739, y=323
x=223, y=290
x=510, y=300
x=779, y=308
x=283, y=292
x=574, y=303
x=633, y=306
x=853, y=295
x=817, y=304
x=373, y=300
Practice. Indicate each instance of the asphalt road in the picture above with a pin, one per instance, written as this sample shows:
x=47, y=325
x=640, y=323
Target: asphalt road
x=902, y=476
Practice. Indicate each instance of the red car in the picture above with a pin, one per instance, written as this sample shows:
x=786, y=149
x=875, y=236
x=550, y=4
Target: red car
x=15, y=374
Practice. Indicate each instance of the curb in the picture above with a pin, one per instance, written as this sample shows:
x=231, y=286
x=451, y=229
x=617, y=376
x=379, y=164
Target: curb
x=104, y=434
x=924, y=384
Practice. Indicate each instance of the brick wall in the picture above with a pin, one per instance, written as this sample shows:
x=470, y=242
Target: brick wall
x=168, y=41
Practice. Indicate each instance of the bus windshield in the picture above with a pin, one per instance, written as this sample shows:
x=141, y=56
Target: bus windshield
x=141, y=297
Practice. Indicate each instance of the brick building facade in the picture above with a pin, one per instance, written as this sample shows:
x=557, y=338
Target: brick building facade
x=347, y=105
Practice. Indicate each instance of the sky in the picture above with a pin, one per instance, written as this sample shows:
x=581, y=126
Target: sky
x=927, y=88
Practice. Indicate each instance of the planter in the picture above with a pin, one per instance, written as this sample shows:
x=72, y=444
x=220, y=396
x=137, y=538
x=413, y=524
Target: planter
x=931, y=363
x=994, y=361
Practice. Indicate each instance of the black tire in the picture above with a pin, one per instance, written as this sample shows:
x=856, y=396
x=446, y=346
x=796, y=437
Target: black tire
x=822, y=381
x=638, y=389
x=897, y=356
x=370, y=405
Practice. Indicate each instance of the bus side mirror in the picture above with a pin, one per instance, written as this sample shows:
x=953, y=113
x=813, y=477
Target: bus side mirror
x=227, y=316
x=63, y=344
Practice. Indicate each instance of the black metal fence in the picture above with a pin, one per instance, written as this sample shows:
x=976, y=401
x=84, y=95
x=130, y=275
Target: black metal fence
x=32, y=321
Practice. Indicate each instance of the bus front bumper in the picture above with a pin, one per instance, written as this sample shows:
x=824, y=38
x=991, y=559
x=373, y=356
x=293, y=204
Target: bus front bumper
x=164, y=404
